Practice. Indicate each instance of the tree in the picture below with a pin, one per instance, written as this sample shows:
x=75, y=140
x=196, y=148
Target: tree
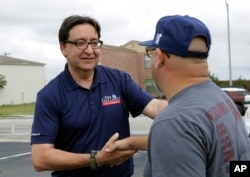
x=3, y=82
x=214, y=78
x=240, y=82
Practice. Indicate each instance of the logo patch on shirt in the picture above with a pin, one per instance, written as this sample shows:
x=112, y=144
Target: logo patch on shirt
x=110, y=100
x=35, y=134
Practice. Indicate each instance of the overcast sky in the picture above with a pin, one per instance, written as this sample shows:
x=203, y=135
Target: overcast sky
x=29, y=28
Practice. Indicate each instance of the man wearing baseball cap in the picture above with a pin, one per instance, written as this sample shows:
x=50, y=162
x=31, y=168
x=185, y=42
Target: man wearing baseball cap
x=201, y=130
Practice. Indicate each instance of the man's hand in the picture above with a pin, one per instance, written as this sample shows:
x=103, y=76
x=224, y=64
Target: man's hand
x=130, y=143
x=117, y=154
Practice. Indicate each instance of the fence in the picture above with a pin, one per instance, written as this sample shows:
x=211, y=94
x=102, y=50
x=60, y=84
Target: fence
x=15, y=130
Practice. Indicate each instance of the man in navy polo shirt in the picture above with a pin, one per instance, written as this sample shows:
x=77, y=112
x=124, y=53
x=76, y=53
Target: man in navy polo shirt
x=85, y=109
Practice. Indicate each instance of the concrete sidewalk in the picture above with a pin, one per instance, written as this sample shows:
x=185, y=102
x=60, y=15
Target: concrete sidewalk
x=15, y=129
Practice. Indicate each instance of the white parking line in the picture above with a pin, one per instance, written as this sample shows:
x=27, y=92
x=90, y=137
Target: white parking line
x=13, y=156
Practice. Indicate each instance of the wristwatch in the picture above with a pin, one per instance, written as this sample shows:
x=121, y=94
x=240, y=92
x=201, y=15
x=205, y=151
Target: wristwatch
x=93, y=163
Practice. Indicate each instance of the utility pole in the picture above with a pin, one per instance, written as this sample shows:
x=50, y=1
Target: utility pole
x=6, y=54
x=229, y=46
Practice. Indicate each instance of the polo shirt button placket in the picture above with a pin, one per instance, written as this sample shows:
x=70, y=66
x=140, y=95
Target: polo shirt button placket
x=92, y=106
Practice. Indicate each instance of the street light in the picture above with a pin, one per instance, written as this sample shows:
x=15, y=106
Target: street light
x=229, y=46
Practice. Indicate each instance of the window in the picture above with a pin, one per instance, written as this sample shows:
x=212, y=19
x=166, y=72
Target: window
x=150, y=86
x=147, y=62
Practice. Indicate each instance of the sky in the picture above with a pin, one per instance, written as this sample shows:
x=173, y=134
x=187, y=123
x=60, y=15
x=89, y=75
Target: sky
x=29, y=28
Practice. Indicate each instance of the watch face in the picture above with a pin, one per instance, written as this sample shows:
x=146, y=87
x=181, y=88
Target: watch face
x=93, y=153
x=93, y=163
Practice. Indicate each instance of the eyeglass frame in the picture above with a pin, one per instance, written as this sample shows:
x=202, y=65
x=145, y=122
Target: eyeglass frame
x=153, y=49
x=76, y=43
x=149, y=49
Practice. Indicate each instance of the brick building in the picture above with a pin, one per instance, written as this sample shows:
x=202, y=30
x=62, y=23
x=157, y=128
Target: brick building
x=131, y=58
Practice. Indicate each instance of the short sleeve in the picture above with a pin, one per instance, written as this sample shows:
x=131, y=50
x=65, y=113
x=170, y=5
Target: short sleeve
x=175, y=149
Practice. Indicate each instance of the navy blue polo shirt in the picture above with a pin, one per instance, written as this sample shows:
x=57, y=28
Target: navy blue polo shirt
x=79, y=120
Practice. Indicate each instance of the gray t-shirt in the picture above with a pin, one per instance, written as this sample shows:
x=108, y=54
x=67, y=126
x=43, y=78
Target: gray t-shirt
x=197, y=135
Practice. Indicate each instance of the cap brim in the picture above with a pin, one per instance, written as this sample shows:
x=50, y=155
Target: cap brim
x=147, y=43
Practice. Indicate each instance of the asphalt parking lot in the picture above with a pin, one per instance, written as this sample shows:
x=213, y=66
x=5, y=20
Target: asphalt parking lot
x=15, y=161
x=15, y=148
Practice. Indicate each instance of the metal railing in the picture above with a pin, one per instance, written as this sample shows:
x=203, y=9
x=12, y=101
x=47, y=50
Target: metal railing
x=15, y=126
x=21, y=128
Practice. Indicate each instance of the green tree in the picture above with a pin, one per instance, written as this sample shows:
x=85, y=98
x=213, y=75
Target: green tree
x=214, y=78
x=3, y=82
x=240, y=82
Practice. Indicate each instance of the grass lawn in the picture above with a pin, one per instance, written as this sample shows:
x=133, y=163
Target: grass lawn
x=15, y=110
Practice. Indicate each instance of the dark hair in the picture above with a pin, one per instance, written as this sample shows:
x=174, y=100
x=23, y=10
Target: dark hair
x=74, y=20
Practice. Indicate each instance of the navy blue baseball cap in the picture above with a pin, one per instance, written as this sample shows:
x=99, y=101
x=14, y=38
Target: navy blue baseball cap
x=174, y=33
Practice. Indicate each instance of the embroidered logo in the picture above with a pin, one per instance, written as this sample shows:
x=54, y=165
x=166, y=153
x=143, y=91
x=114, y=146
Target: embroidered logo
x=110, y=100
x=158, y=38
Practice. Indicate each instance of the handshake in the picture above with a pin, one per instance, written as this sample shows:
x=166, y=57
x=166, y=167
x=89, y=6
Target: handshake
x=116, y=151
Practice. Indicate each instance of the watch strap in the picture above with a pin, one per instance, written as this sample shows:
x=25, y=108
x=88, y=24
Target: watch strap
x=93, y=163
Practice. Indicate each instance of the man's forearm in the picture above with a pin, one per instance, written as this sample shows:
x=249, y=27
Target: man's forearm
x=154, y=107
x=138, y=142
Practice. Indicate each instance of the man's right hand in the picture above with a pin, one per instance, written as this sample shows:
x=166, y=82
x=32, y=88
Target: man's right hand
x=116, y=157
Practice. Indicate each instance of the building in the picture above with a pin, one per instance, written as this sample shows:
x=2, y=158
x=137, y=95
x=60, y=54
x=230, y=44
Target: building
x=131, y=58
x=24, y=79
x=124, y=59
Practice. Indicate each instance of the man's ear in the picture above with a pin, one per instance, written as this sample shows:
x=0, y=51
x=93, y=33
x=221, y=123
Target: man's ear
x=62, y=48
x=159, y=57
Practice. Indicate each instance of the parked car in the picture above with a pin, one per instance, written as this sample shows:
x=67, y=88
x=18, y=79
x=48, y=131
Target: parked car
x=247, y=113
x=246, y=119
x=240, y=96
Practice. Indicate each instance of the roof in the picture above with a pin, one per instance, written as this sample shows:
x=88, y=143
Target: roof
x=5, y=60
x=233, y=89
x=131, y=42
x=120, y=48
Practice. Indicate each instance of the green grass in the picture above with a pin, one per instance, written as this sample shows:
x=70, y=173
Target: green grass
x=17, y=110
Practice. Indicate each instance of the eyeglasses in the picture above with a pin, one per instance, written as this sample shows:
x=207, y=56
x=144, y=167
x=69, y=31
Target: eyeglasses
x=81, y=44
x=149, y=51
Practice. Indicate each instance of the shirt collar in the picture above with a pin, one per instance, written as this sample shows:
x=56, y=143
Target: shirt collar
x=99, y=78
